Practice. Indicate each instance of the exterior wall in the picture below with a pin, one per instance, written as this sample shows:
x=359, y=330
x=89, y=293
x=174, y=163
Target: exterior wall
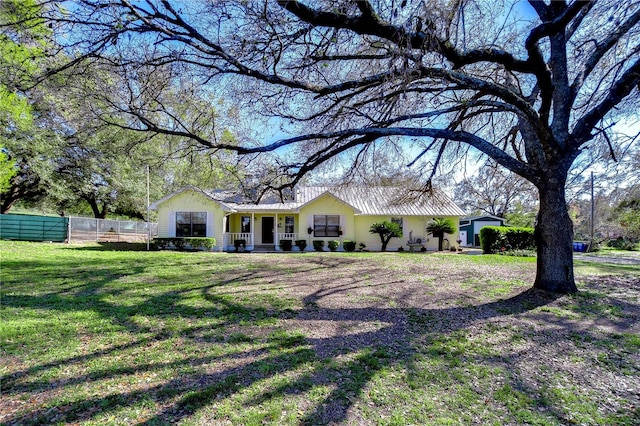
x=329, y=205
x=191, y=201
x=372, y=241
x=417, y=224
x=432, y=242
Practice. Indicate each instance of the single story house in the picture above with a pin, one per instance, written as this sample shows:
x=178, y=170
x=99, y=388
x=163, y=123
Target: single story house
x=470, y=228
x=313, y=213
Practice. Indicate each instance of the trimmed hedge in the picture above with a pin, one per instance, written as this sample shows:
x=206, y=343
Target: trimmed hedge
x=286, y=245
x=494, y=239
x=333, y=245
x=179, y=243
x=301, y=244
x=318, y=245
x=349, y=245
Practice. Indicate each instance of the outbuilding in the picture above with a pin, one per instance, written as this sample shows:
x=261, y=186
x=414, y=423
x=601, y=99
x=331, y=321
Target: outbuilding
x=470, y=227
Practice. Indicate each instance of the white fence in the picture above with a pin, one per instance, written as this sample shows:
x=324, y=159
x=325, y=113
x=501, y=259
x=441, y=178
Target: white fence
x=109, y=230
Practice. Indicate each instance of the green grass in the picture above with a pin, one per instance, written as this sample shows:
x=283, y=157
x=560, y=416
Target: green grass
x=99, y=335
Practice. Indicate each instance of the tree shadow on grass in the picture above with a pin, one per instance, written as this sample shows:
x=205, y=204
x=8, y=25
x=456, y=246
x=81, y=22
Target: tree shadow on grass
x=364, y=342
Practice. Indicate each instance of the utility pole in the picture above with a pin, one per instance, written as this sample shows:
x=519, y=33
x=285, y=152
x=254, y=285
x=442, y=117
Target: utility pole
x=593, y=214
x=148, y=222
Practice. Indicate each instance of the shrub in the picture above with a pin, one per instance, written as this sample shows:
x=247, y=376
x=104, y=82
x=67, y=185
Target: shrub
x=333, y=245
x=349, y=245
x=622, y=244
x=179, y=243
x=494, y=239
x=239, y=243
x=201, y=243
x=286, y=245
x=161, y=243
x=301, y=244
x=521, y=238
x=318, y=245
x=440, y=226
x=386, y=230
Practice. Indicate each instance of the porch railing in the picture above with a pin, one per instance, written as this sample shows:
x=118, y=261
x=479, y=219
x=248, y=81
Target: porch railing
x=293, y=236
x=230, y=237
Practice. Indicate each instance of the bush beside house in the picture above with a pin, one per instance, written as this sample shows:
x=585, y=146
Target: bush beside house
x=349, y=245
x=286, y=245
x=183, y=243
x=301, y=244
x=494, y=239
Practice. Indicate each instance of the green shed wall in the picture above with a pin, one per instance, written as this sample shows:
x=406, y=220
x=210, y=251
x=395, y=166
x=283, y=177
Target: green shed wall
x=33, y=228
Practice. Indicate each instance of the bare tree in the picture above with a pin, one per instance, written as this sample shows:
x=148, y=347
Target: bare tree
x=530, y=88
x=495, y=191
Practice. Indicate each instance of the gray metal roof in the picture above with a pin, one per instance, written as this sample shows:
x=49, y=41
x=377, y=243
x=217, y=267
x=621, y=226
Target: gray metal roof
x=386, y=200
x=365, y=200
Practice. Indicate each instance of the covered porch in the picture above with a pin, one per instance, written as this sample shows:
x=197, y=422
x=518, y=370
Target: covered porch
x=259, y=231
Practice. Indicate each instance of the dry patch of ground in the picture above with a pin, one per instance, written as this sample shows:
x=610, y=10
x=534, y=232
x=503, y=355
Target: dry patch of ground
x=315, y=339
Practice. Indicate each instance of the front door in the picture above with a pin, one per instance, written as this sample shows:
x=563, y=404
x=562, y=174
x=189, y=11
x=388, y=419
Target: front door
x=267, y=230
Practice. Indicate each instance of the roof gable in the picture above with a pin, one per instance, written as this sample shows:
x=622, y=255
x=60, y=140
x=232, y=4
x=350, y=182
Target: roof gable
x=211, y=195
x=327, y=193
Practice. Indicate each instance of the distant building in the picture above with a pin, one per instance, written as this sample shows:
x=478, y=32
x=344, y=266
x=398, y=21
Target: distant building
x=470, y=227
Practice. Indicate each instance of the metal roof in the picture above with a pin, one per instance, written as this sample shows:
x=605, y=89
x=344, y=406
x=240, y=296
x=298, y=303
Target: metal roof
x=365, y=200
x=386, y=200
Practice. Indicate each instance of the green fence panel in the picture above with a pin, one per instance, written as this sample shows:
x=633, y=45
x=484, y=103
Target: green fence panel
x=33, y=228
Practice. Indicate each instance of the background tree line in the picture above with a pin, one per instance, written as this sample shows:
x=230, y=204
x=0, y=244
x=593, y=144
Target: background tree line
x=64, y=148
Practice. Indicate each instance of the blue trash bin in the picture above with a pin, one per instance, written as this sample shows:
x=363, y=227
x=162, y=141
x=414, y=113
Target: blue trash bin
x=579, y=246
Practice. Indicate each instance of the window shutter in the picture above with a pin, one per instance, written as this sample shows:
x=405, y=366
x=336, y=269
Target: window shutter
x=210, y=227
x=172, y=224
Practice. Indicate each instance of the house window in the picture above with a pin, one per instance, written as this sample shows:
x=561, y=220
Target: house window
x=245, y=224
x=397, y=220
x=191, y=224
x=326, y=225
x=288, y=224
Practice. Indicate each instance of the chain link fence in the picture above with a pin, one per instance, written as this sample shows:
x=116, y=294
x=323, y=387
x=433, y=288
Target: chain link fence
x=83, y=229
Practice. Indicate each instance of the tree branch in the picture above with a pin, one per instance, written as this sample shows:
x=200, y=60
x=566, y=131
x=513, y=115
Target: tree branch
x=629, y=81
x=601, y=49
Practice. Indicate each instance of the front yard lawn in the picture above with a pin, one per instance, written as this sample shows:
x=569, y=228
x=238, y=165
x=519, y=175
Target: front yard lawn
x=98, y=336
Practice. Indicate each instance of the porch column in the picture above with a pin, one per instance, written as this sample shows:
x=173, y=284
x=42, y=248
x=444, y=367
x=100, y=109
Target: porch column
x=275, y=225
x=225, y=236
x=253, y=230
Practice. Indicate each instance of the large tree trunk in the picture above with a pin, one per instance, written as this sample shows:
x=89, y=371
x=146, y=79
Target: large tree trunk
x=7, y=200
x=98, y=213
x=554, y=239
